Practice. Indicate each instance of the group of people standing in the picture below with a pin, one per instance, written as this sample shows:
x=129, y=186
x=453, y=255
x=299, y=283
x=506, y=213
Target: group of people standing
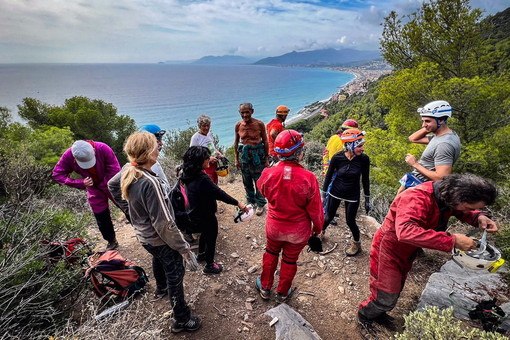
x=297, y=210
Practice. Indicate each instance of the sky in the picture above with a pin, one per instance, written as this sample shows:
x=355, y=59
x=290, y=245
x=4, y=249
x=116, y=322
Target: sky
x=147, y=31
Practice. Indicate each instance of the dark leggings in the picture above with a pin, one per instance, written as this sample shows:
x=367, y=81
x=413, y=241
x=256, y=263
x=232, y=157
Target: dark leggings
x=207, y=242
x=351, y=209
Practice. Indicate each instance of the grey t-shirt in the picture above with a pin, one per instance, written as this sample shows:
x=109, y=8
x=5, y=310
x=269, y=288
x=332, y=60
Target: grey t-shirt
x=442, y=150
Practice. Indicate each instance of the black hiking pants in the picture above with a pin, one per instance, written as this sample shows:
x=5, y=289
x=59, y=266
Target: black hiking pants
x=168, y=268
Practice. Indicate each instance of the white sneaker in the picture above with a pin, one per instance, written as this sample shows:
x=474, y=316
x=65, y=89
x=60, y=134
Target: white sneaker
x=259, y=211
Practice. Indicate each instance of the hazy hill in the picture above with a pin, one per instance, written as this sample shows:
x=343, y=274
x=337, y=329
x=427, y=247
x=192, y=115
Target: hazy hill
x=325, y=57
x=220, y=60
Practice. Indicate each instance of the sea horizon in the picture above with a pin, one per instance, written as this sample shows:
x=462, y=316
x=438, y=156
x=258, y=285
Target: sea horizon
x=173, y=95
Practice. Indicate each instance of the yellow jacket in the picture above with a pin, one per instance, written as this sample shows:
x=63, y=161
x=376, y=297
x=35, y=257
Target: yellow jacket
x=334, y=145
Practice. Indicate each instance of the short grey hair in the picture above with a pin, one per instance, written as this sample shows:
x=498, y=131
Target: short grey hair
x=203, y=120
x=247, y=105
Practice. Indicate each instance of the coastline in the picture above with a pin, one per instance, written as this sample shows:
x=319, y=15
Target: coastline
x=363, y=75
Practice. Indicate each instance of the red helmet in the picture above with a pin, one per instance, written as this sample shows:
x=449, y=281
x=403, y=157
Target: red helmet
x=287, y=142
x=349, y=124
x=351, y=135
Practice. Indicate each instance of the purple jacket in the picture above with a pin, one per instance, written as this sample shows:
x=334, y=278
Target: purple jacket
x=107, y=166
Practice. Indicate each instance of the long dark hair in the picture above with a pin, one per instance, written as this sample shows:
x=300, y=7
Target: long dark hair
x=466, y=188
x=194, y=159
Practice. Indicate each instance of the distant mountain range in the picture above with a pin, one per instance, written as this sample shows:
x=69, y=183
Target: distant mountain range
x=325, y=57
x=222, y=60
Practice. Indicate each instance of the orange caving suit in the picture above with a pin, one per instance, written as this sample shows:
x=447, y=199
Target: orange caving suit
x=416, y=219
x=295, y=203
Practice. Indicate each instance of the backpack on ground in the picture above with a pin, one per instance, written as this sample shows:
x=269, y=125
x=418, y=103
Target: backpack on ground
x=113, y=275
x=180, y=205
x=73, y=252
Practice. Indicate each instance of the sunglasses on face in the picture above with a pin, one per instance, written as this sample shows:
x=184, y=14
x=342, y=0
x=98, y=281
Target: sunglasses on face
x=243, y=112
x=160, y=134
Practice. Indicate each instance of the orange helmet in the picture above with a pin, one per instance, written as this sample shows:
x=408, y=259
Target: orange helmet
x=351, y=135
x=349, y=124
x=282, y=110
x=287, y=142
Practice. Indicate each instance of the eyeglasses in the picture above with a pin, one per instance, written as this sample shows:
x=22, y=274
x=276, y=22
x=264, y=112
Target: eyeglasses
x=243, y=112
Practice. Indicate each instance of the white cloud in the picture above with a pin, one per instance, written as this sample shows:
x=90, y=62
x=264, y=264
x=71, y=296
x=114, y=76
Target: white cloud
x=154, y=30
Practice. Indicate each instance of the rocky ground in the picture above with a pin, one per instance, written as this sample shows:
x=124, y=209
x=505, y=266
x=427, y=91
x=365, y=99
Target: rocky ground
x=329, y=287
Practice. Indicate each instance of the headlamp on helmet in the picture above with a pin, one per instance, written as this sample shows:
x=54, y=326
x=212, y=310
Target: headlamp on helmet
x=287, y=142
x=476, y=261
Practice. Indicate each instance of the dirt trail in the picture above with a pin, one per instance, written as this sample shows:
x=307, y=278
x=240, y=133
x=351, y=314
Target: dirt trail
x=329, y=287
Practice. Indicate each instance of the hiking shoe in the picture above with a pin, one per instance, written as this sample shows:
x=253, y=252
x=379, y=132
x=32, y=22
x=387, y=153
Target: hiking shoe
x=386, y=321
x=159, y=294
x=189, y=238
x=212, y=268
x=366, y=328
x=259, y=211
x=333, y=222
x=279, y=297
x=112, y=245
x=264, y=293
x=191, y=325
x=354, y=249
x=201, y=257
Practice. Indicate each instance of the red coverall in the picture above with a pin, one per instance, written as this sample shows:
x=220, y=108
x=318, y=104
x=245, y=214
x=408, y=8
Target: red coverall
x=415, y=220
x=294, y=203
x=275, y=124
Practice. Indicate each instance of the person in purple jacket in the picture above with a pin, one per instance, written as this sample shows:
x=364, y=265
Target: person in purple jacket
x=96, y=163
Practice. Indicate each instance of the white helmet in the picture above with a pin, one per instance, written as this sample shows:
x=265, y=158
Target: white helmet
x=243, y=217
x=436, y=109
x=475, y=261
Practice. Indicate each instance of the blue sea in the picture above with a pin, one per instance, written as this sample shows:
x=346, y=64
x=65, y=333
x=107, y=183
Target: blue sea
x=173, y=96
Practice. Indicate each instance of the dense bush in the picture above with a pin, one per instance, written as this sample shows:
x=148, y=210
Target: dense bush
x=435, y=324
x=33, y=290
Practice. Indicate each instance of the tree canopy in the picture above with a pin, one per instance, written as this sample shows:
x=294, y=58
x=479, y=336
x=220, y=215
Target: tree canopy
x=84, y=117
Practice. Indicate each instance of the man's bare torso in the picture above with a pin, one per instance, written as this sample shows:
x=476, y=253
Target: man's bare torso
x=250, y=133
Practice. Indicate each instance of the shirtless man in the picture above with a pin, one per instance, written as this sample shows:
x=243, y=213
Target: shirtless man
x=251, y=149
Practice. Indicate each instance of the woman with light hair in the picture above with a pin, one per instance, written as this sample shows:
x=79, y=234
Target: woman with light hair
x=204, y=137
x=139, y=192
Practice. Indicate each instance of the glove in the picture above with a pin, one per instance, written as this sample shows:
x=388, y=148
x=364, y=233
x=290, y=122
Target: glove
x=190, y=260
x=368, y=205
x=315, y=244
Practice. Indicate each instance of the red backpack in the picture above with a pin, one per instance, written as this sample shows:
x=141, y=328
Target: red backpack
x=113, y=275
x=73, y=252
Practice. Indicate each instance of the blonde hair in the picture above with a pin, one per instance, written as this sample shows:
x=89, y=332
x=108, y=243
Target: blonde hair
x=139, y=146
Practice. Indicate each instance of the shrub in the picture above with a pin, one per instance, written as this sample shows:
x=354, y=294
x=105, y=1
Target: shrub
x=434, y=324
x=32, y=290
x=312, y=159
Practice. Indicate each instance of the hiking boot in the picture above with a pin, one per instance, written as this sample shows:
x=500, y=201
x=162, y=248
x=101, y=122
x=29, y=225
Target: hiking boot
x=279, y=297
x=386, y=321
x=366, y=328
x=259, y=211
x=354, y=249
x=264, y=293
x=212, y=268
x=189, y=238
x=112, y=245
x=333, y=222
x=159, y=294
x=201, y=257
x=191, y=325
